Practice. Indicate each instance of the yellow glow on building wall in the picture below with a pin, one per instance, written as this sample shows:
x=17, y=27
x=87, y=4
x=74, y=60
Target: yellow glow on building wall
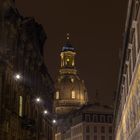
x=20, y=106
x=129, y=108
x=82, y=97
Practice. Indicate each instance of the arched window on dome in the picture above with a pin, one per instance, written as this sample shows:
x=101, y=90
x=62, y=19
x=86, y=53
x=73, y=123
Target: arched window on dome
x=57, y=94
x=73, y=95
x=72, y=80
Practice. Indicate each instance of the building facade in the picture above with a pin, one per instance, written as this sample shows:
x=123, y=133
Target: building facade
x=127, y=112
x=70, y=92
x=91, y=122
x=25, y=85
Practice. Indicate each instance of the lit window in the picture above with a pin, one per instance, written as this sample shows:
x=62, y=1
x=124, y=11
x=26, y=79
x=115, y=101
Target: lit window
x=73, y=63
x=20, y=105
x=73, y=94
x=82, y=97
x=68, y=59
x=57, y=95
x=72, y=80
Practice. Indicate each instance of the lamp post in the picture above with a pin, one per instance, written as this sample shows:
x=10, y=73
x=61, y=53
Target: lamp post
x=38, y=101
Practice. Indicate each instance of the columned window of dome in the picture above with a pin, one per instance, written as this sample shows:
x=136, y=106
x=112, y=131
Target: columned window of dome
x=73, y=63
x=57, y=95
x=62, y=63
x=62, y=60
x=68, y=60
x=73, y=95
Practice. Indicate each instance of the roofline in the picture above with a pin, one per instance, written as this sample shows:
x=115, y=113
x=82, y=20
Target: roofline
x=124, y=52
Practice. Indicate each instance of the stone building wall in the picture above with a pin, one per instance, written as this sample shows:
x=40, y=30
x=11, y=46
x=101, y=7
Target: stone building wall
x=21, y=52
x=127, y=120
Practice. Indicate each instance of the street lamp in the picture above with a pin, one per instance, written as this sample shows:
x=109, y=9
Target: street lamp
x=17, y=76
x=38, y=99
x=54, y=121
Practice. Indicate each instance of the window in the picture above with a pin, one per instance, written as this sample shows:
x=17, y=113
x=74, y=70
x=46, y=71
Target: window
x=110, y=137
x=102, y=137
x=102, y=118
x=95, y=137
x=95, y=118
x=5, y=136
x=57, y=95
x=73, y=63
x=103, y=129
x=99, y=118
x=110, y=129
x=68, y=61
x=73, y=94
x=95, y=129
x=87, y=137
x=20, y=105
x=109, y=119
x=87, y=118
x=87, y=129
x=13, y=137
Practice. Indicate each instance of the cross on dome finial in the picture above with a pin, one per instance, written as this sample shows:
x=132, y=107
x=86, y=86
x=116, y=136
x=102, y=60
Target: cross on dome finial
x=68, y=36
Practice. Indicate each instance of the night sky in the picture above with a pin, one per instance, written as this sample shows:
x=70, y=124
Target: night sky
x=96, y=31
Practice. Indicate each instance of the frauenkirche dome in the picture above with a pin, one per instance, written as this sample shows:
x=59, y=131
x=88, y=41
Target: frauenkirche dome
x=70, y=91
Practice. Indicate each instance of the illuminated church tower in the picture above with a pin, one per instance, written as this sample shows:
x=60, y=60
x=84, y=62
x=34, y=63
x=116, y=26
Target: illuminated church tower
x=70, y=91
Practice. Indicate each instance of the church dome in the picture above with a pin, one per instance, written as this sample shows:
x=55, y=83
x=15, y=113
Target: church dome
x=68, y=47
x=70, y=91
x=68, y=84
